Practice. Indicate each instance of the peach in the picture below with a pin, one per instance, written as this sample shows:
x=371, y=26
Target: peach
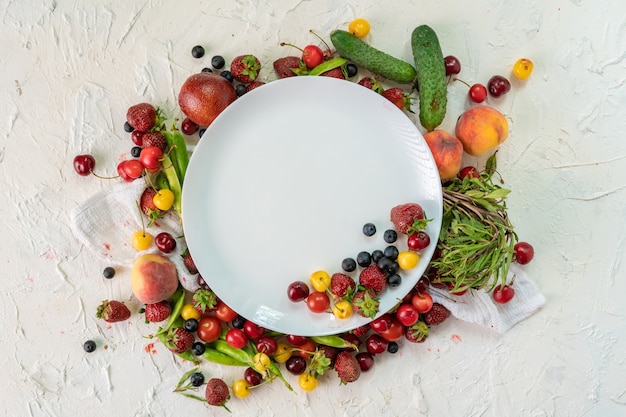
x=481, y=129
x=153, y=278
x=447, y=152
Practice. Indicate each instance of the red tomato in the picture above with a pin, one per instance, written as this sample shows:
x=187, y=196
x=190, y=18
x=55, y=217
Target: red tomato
x=253, y=330
x=407, y=314
x=225, y=313
x=318, y=302
x=236, y=338
x=209, y=329
x=394, y=332
x=422, y=301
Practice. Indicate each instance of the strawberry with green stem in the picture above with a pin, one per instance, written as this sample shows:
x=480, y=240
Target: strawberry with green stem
x=245, y=68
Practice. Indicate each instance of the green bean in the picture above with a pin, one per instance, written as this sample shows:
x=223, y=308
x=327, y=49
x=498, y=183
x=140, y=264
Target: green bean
x=215, y=356
x=237, y=354
x=333, y=341
x=179, y=301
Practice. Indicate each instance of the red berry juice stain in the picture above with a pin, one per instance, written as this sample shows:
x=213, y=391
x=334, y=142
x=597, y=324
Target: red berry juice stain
x=107, y=246
x=150, y=348
x=456, y=338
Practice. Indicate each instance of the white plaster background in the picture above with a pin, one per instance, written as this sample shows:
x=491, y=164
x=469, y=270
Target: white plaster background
x=71, y=68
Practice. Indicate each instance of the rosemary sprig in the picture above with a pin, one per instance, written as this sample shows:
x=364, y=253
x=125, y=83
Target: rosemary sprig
x=476, y=239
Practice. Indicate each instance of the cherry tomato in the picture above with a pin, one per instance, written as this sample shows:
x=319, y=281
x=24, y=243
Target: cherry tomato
x=408, y=260
x=241, y=388
x=163, y=199
x=190, y=312
x=523, y=252
x=225, y=313
x=359, y=27
x=422, y=301
x=312, y=56
x=283, y=352
x=503, y=294
x=407, y=314
x=342, y=309
x=307, y=382
x=236, y=338
x=522, y=68
x=150, y=157
x=253, y=330
x=209, y=329
x=394, y=332
x=320, y=280
x=376, y=344
x=318, y=302
x=141, y=240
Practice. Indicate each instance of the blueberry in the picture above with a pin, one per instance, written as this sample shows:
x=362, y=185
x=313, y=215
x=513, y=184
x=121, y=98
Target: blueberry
x=135, y=151
x=364, y=259
x=197, y=379
x=191, y=325
x=197, y=51
x=198, y=348
x=201, y=132
x=241, y=89
x=348, y=265
x=369, y=229
x=128, y=128
x=394, y=280
x=352, y=69
x=393, y=268
x=109, y=272
x=391, y=252
x=218, y=62
x=206, y=69
x=392, y=347
x=390, y=236
x=239, y=322
x=384, y=263
x=89, y=346
x=226, y=74
x=377, y=255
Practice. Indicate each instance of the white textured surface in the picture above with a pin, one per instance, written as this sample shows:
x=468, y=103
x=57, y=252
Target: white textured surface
x=70, y=70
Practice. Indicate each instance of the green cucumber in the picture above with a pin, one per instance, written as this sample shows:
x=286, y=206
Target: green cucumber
x=431, y=76
x=365, y=56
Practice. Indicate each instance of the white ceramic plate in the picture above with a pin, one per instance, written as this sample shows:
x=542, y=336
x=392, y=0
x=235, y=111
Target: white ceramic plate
x=281, y=184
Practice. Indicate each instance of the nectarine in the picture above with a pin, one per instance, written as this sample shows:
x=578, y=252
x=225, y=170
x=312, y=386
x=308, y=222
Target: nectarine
x=481, y=129
x=153, y=278
x=447, y=152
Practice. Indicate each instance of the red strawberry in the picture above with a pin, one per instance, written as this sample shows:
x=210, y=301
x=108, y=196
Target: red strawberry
x=253, y=85
x=436, y=315
x=285, y=67
x=154, y=138
x=204, y=301
x=373, y=278
x=371, y=83
x=216, y=392
x=112, y=311
x=341, y=285
x=366, y=303
x=361, y=331
x=189, y=263
x=157, y=312
x=405, y=215
x=146, y=203
x=179, y=340
x=245, y=68
x=334, y=73
x=417, y=333
x=141, y=116
x=347, y=367
x=398, y=97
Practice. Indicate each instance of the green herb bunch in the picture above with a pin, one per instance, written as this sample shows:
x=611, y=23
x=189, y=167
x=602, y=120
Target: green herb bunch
x=476, y=239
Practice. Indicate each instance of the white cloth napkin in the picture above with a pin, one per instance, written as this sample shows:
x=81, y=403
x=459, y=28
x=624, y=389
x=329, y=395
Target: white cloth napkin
x=105, y=222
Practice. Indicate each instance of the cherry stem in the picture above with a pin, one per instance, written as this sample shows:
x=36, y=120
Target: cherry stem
x=101, y=177
x=458, y=79
x=323, y=41
x=290, y=44
x=143, y=227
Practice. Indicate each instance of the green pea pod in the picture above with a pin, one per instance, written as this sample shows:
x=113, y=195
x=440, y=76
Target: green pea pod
x=333, y=341
x=179, y=301
x=273, y=368
x=178, y=154
x=161, y=182
x=175, y=185
x=327, y=66
x=215, y=356
x=237, y=354
x=187, y=355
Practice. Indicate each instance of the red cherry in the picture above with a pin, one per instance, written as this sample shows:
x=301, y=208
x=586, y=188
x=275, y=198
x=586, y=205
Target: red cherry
x=133, y=169
x=188, y=127
x=418, y=241
x=468, y=172
x=312, y=56
x=84, y=164
x=477, y=93
x=122, y=172
x=498, y=85
x=453, y=65
x=523, y=252
x=150, y=157
x=503, y=294
x=165, y=242
x=365, y=361
x=137, y=137
x=298, y=291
